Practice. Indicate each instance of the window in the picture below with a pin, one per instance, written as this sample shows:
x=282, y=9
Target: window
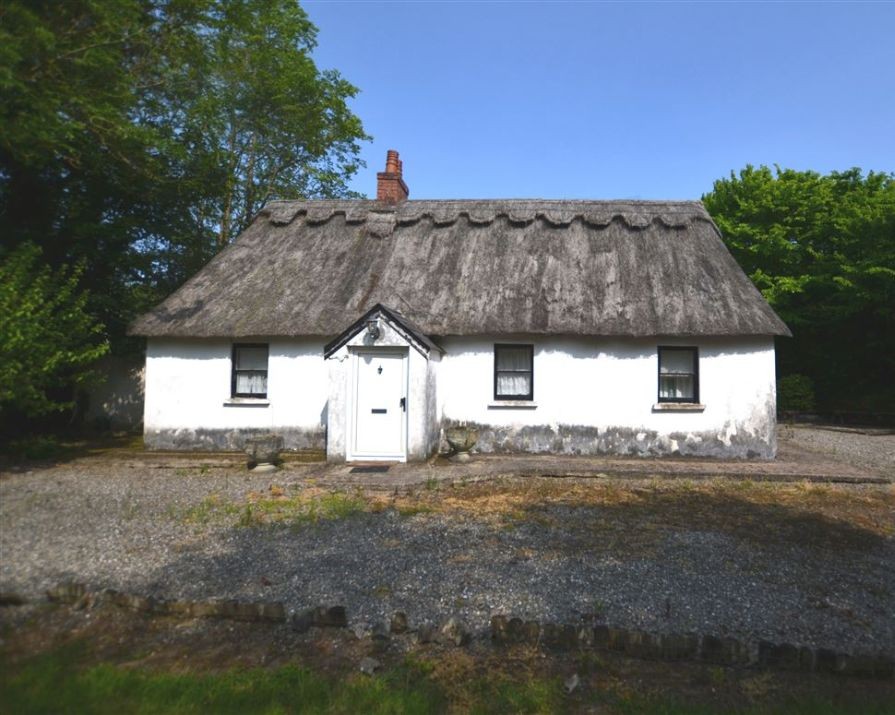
x=678, y=375
x=513, y=372
x=249, y=377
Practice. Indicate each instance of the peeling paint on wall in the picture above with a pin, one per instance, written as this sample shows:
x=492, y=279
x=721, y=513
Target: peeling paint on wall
x=229, y=439
x=637, y=442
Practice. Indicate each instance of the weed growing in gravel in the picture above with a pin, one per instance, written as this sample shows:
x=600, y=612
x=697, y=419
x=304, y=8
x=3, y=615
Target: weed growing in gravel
x=414, y=509
x=248, y=517
x=211, y=508
x=598, y=609
x=301, y=510
x=258, y=510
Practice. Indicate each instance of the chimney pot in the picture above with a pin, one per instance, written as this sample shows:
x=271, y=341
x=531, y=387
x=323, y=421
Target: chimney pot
x=391, y=162
x=390, y=186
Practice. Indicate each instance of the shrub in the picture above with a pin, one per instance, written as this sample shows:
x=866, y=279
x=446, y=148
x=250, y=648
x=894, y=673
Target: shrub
x=795, y=393
x=48, y=340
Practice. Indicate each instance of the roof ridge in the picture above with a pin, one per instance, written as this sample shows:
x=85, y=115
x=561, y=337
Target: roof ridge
x=358, y=202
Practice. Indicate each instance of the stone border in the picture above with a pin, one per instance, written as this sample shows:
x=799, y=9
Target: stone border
x=77, y=595
x=505, y=631
x=727, y=651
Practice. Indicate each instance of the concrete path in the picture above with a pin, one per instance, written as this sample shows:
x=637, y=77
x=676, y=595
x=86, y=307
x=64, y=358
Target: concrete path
x=797, y=459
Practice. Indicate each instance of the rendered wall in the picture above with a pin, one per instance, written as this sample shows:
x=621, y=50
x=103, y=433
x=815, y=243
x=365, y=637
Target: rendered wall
x=117, y=402
x=591, y=396
x=188, y=405
x=598, y=395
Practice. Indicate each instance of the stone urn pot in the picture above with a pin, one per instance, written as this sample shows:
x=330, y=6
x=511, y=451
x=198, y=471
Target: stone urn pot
x=263, y=452
x=461, y=440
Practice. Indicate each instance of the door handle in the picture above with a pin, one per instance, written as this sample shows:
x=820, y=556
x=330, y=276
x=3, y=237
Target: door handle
x=404, y=404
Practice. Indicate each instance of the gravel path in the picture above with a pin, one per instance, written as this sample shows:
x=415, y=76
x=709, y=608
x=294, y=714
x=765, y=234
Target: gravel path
x=871, y=449
x=112, y=525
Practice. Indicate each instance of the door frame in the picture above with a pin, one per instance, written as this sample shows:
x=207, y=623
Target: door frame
x=351, y=453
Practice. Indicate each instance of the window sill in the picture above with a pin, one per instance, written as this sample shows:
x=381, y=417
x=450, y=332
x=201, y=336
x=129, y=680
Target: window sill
x=512, y=404
x=246, y=402
x=678, y=407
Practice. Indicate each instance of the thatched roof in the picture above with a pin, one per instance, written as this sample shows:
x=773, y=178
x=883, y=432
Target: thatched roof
x=625, y=268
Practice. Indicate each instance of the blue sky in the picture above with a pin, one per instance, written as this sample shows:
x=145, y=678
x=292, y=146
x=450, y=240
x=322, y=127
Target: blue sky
x=611, y=100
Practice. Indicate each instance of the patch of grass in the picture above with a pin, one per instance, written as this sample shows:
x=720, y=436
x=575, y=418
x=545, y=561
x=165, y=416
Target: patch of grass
x=259, y=509
x=639, y=705
x=211, y=508
x=336, y=505
x=412, y=509
x=70, y=679
x=505, y=695
x=54, y=683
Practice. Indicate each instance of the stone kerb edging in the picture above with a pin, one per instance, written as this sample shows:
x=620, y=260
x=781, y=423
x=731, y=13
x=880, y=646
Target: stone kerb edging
x=507, y=630
x=78, y=596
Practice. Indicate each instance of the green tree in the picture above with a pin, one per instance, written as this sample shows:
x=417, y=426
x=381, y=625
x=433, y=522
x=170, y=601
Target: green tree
x=821, y=248
x=48, y=340
x=140, y=136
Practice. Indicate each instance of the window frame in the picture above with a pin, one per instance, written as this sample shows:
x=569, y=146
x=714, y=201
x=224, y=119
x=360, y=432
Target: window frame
x=531, y=372
x=694, y=350
x=234, y=371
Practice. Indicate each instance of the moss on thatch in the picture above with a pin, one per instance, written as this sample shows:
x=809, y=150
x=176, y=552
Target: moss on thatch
x=624, y=268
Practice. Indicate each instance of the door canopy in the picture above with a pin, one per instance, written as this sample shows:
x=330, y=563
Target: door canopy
x=371, y=323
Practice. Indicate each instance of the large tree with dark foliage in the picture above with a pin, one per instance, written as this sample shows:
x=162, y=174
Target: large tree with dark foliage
x=821, y=248
x=138, y=137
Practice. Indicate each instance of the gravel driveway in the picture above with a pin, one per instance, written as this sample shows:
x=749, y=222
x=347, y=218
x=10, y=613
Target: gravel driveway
x=658, y=555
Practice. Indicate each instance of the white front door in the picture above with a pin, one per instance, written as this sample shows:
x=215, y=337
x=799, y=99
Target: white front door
x=380, y=405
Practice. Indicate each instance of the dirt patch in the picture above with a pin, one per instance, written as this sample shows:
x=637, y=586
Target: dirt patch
x=818, y=516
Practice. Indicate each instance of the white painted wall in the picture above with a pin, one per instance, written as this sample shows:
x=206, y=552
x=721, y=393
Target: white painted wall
x=584, y=390
x=611, y=383
x=188, y=387
x=117, y=401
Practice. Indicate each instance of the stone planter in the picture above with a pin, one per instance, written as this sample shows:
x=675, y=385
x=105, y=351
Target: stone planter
x=264, y=452
x=461, y=440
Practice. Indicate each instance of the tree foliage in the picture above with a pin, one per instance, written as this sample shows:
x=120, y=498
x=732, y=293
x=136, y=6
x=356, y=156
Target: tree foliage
x=47, y=338
x=140, y=136
x=821, y=248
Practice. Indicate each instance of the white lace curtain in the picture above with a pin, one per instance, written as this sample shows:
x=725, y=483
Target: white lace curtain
x=514, y=371
x=251, y=370
x=676, y=374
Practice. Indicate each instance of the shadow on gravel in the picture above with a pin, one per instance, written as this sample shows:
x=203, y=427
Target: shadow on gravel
x=657, y=554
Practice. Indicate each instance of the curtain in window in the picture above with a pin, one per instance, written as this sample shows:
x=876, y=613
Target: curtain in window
x=514, y=371
x=508, y=384
x=676, y=374
x=251, y=383
x=251, y=370
x=676, y=386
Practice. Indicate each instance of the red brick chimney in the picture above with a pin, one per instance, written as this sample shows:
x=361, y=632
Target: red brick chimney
x=390, y=186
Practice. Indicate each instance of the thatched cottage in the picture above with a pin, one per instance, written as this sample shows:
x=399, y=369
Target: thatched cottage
x=366, y=328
